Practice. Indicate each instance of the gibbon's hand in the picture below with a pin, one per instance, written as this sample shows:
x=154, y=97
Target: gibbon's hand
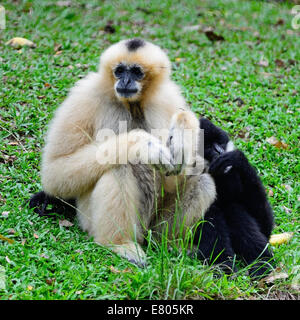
x=226, y=162
x=184, y=153
x=147, y=149
x=183, y=142
x=161, y=158
x=175, y=145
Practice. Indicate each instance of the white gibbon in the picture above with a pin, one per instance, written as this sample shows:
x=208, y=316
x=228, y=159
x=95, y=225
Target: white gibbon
x=116, y=202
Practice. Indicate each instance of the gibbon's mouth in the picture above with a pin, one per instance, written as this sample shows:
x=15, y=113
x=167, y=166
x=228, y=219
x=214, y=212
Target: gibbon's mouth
x=127, y=93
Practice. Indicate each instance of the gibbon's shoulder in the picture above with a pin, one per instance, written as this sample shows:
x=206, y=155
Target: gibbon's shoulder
x=169, y=93
x=91, y=82
x=85, y=94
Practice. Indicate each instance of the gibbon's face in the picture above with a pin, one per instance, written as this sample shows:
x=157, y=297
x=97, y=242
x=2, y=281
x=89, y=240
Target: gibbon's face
x=216, y=141
x=128, y=80
x=133, y=68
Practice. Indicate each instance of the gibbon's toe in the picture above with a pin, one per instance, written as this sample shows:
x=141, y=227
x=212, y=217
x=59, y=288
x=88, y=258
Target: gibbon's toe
x=132, y=252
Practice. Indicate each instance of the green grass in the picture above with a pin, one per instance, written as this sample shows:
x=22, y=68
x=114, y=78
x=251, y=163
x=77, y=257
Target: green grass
x=47, y=261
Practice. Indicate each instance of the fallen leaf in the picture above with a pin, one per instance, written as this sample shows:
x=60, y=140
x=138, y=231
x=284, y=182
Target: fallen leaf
x=277, y=143
x=11, y=231
x=286, y=209
x=287, y=187
x=239, y=101
x=212, y=36
x=59, y=52
x=29, y=288
x=11, y=241
x=47, y=85
x=57, y=47
x=279, y=63
x=275, y=276
x=65, y=223
x=192, y=28
x=109, y=28
x=292, y=62
x=18, y=43
x=50, y=281
x=35, y=235
x=5, y=213
x=115, y=270
x=144, y=10
x=64, y=3
x=278, y=239
x=270, y=193
x=263, y=63
x=266, y=75
x=13, y=143
x=279, y=22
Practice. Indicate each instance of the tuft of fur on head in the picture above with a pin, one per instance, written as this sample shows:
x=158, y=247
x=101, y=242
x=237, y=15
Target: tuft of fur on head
x=150, y=57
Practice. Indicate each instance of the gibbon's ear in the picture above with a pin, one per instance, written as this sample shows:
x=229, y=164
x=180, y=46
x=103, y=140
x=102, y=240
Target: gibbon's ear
x=47, y=206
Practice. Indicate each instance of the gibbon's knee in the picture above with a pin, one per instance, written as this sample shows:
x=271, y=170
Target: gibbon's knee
x=121, y=204
x=181, y=213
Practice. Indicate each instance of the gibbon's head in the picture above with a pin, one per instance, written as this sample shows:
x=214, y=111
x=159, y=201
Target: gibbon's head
x=216, y=141
x=133, y=67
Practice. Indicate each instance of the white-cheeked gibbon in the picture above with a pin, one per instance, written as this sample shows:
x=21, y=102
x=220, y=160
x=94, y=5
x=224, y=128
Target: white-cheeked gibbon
x=117, y=201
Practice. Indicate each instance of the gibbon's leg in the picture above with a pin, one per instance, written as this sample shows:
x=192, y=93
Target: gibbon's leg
x=196, y=191
x=194, y=196
x=247, y=240
x=119, y=208
x=212, y=240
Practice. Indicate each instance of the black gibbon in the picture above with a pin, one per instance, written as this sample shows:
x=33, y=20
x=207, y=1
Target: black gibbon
x=240, y=221
x=83, y=158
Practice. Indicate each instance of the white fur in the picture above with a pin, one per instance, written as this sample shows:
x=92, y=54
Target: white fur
x=108, y=195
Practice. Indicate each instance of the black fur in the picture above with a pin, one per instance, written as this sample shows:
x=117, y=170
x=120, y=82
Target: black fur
x=40, y=201
x=240, y=220
x=134, y=44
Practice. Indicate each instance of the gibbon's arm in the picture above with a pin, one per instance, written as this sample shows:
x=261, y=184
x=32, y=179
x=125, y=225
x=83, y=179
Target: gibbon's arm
x=243, y=184
x=255, y=197
x=69, y=164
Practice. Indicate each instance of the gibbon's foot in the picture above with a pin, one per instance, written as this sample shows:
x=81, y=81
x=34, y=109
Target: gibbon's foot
x=132, y=251
x=260, y=270
x=183, y=140
x=226, y=267
x=226, y=162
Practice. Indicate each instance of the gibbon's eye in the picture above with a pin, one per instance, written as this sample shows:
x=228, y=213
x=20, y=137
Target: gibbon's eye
x=137, y=72
x=120, y=69
x=218, y=148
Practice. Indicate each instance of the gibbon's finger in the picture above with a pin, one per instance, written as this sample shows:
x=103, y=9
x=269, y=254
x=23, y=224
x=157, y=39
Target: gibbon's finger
x=221, y=165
